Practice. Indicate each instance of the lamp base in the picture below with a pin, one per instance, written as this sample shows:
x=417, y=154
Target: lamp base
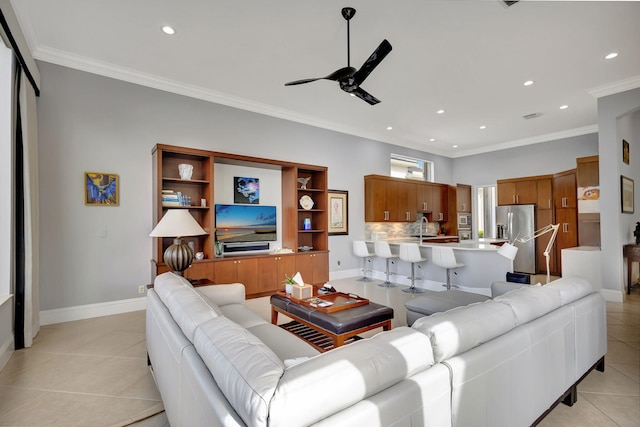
x=178, y=256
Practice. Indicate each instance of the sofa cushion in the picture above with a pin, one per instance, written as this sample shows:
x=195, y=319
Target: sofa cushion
x=283, y=343
x=571, y=288
x=187, y=307
x=530, y=302
x=335, y=380
x=463, y=328
x=242, y=315
x=244, y=368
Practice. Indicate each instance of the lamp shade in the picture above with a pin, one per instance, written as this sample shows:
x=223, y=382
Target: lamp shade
x=508, y=251
x=177, y=223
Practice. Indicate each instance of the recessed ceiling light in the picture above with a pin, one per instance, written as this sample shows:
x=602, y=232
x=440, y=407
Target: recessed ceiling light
x=483, y=127
x=528, y=83
x=389, y=127
x=454, y=146
x=611, y=55
x=432, y=140
x=440, y=111
x=564, y=107
x=168, y=30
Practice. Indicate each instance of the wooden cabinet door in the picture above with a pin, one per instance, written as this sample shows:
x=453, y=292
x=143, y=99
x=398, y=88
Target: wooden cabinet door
x=200, y=270
x=320, y=268
x=526, y=192
x=405, y=201
x=424, y=196
x=286, y=268
x=545, y=194
x=463, y=196
x=565, y=191
x=247, y=274
x=506, y=193
x=225, y=272
x=440, y=204
x=269, y=279
x=304, y=265
x=544, y=217
x=567, y=233
x=375, y=200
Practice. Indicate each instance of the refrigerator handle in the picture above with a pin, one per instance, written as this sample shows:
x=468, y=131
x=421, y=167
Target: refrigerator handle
x=510, y=226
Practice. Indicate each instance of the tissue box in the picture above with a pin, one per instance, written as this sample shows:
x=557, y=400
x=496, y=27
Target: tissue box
x=302, y=292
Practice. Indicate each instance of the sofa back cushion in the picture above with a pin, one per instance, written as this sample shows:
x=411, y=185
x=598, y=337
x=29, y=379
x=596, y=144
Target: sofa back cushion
x=531, y=302
x=187, y=307
x=244, y=368
x=571, y=288
x=463, y=328
x=330, y=382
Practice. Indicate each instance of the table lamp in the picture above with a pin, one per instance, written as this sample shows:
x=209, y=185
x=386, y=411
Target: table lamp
x=177, y=223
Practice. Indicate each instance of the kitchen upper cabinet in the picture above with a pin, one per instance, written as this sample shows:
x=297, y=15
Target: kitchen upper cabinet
x=463, y=198
x=565, y=189
x=389, y=199
x=433, y=198
x=545, y=193
x=517, y=192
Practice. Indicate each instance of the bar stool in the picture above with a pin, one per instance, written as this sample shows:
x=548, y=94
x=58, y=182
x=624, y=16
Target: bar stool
x=360, y=249
x=410, y=252
x=383, y=250
x=444, y=257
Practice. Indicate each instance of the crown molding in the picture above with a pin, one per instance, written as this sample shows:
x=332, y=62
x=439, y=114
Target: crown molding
x=615, y=87
x=569, y=133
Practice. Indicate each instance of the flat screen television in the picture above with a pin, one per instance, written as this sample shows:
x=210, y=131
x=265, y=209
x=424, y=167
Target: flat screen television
x=246, y=223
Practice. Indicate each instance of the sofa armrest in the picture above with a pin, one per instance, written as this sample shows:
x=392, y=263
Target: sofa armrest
x=221, y=295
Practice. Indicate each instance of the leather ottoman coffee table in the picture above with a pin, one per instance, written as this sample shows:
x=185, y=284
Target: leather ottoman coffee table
x=326, y=330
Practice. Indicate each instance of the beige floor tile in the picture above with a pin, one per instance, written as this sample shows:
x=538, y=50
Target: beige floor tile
x=12, y=398
x=630, y=370
x=610, y=381
x=582, y=414
x=623, y=410
x=621, y=352
x=626, y=333
x=623, y=318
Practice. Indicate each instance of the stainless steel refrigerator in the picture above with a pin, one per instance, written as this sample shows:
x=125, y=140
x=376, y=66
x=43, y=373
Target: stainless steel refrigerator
x=518, y=221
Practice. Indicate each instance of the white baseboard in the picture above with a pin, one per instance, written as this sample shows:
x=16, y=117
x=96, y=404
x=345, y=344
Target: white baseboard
x=68, y=314
x=612, y=295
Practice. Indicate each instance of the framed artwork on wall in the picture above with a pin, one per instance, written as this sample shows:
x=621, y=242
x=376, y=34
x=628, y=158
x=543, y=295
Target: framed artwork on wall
x=625, y=151
x=101, y=189
x=338, y=212
x=626, y=193
x=246, y=190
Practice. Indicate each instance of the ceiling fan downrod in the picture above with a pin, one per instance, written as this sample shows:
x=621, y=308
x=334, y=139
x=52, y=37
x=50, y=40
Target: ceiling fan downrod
x=347, y=13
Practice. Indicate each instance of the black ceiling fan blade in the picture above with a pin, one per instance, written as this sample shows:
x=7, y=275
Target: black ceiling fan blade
x=374, y=60
x=365, y=96
x=337, y=75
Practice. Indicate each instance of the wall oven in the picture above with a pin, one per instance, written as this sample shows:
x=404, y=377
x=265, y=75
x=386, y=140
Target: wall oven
x=464, y=220
x=464, y=234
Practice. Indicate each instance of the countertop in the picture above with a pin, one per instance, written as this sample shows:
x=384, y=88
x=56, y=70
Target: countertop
x=465, y=245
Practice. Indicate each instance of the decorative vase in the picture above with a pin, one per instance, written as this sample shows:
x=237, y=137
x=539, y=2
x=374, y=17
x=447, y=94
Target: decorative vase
x=185, y=170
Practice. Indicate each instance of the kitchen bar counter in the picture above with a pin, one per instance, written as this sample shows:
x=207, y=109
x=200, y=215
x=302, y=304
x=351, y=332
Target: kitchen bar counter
x=483, y=264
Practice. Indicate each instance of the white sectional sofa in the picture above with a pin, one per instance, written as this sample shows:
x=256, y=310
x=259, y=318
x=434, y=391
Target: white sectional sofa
x=502, y=362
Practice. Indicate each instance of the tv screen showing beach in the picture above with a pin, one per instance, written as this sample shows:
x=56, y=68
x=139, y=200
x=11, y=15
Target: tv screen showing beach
x=246, y=223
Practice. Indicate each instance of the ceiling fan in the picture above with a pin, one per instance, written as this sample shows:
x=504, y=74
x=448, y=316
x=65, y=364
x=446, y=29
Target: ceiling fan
x=348, y=77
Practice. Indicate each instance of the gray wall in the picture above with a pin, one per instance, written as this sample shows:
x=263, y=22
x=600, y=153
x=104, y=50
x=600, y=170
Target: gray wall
x=90, y=123
x=537, y=159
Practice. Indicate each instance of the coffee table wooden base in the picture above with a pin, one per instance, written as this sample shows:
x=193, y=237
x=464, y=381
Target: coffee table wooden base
x=336, y=339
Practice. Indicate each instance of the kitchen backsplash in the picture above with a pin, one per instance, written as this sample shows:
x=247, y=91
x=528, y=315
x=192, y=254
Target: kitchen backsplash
x=400, y=229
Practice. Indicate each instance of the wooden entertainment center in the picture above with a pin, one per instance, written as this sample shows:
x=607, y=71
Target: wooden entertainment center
x=262, y=274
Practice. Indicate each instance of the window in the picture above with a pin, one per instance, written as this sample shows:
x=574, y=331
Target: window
x=486, y=209
x=411, y=168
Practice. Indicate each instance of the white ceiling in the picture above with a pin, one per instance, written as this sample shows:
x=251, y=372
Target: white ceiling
x=469, y=58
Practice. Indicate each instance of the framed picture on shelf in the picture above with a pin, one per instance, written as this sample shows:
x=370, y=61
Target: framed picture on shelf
x=246, y=190
x=338, y=212
x=626, y=193
x=101, y=189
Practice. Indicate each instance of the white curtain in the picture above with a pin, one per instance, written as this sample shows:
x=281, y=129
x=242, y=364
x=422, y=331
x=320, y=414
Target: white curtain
x=29, y=124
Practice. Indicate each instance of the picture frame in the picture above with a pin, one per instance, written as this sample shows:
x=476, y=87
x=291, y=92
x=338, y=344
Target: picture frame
x=246, y=190
x=338, y=222
x=626, y=194
x=101, y=189
x=625, y=151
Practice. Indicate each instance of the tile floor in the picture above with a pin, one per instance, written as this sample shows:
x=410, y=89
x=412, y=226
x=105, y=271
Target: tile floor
x=94, y=373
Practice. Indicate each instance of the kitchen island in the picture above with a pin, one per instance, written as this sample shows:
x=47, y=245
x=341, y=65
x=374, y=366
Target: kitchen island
x=482, y=265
